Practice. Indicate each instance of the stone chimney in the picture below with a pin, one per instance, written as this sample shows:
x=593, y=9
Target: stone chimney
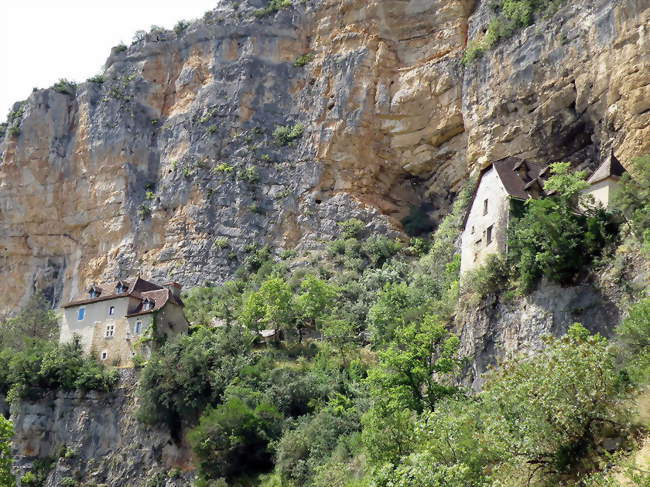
x=174, y=287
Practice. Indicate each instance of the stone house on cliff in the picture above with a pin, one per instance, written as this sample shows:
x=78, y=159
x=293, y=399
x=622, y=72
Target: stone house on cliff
x=502, y=187
x=117, y=321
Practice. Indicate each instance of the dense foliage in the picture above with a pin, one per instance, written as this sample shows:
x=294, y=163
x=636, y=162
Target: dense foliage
x=32, y=361
x=560, y=235
x=633, y=199
x=6, y=432
x=376, y=400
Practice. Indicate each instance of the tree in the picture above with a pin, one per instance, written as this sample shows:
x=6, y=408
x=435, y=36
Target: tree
x=233, y=438
x=547, y=410
x=35, y=321
x=633, y=198
x=271, y=306
x=314, y=302
x=416, y=369
x=553, y=238
x=389, y=312
x=204, y=304
x=6, y=433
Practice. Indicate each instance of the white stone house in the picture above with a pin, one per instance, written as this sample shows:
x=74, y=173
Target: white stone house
x=486, y=222
x=115, y=322
x=502, y=187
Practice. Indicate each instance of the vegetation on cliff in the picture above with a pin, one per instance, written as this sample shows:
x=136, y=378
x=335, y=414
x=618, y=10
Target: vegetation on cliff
x=377, y=400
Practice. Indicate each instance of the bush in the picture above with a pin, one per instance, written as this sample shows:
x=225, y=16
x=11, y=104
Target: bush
x=66, y=87
x=632, y=198
x=555, y=404
x=552, y=238
x=181, y=26
x=233, y=438
x=284, y=135
x=6, y=433
x=303, y=60
x=272, y=7
x=310, y=442
x=249, y=174
x=189, y=373
x=98, y=79
x=633, y=342
x=352, y=228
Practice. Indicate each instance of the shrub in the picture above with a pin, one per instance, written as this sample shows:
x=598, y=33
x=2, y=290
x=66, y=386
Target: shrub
x=632, y=198
x=633, y=342
x=213, y=129
x=553, y=405
x=98, y=79
x=120, y=48
x=189, y=373
x=284, y=135
x=272, y=7
x=14, y=131
x=6, y=433
x=303, y=60
x=144, y=211
x=66, y=87
x=181, y=26
x=233, y=438
x=223, y=167
x=310, y=442
x=351, y=228
x=490, y=278
x=221, y=242
x=249, y=174
x=552, y=238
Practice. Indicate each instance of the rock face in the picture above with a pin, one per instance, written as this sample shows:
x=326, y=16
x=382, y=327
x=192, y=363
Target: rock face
x=169, y=167
x=95, y=439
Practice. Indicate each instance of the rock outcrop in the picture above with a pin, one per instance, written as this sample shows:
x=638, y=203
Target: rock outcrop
x=95, y=439
x=167, y=164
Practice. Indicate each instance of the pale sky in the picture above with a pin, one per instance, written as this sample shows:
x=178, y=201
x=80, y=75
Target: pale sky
x=42, y=41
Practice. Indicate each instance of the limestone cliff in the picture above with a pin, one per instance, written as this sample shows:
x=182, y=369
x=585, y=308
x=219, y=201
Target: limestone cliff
x=167, y=165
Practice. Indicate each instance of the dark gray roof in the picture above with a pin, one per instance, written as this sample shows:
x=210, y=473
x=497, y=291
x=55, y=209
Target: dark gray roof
x=610, y=168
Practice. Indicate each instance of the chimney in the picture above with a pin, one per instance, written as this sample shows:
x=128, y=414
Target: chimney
x=174, y=287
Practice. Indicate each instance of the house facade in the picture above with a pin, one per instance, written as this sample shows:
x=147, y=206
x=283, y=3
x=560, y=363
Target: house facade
x=118, y=321
x=502, y=187
x=486, y=222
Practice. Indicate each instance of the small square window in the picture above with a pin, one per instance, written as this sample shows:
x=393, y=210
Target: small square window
x=110, y=331
x=104, y=355
x=81, y=314
x=111, y=310
x=488, y=235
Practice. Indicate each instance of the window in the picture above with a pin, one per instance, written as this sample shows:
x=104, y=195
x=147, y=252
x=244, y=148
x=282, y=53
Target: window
x=472, y=230
x=485, y=207
x=81, y=314
x=104, y=355
x=120, y=288
x=110, y=331
x=138, y=327
x=148, y=304
x=488, y=235
x=111, y=310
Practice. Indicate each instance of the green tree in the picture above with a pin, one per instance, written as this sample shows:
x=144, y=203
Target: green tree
x=632, y=197
x=547, y=410
x=314, y=302
x=553, y=238
x=204, y=304
x=6, y=433
x=233, y=438
x=272, y=306
x=417, y=369
x=390, y=312
x=35, y=321
x=633, y=342
x=190, y=372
